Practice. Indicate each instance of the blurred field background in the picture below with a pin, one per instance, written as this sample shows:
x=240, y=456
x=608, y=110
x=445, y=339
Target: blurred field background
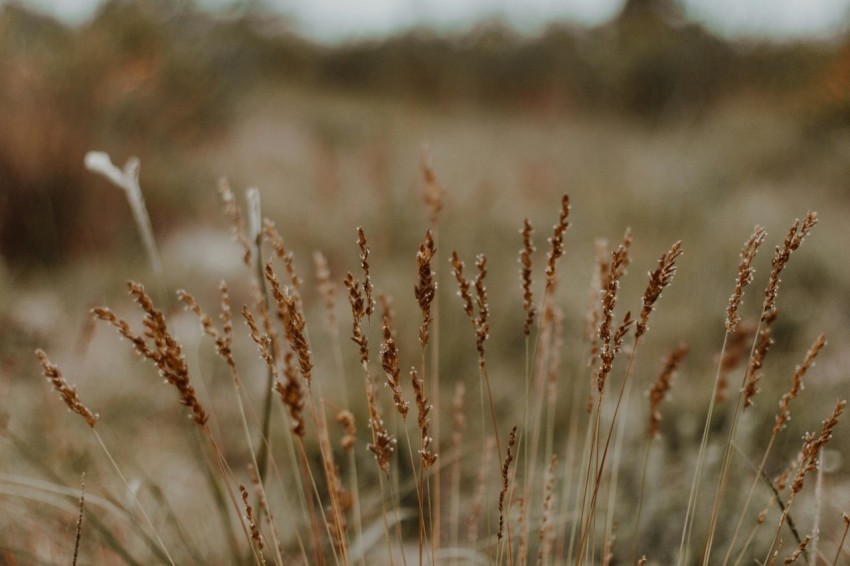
x=649, y=120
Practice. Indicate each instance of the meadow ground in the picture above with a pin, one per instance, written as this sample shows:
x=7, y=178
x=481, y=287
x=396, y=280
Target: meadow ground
x=328, y=163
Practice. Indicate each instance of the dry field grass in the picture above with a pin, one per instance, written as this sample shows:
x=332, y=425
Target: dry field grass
x=328, y=164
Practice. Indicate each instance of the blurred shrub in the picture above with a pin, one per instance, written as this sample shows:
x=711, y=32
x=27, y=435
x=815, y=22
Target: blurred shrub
x=161, y=79
x=128, y=82
x=648, y=63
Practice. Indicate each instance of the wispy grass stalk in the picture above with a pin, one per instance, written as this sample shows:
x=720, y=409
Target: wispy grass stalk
x=743, y=279
x=127, y=179
x=798, y=232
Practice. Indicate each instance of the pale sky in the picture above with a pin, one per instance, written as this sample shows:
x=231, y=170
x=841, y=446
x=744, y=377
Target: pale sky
x=335, y=20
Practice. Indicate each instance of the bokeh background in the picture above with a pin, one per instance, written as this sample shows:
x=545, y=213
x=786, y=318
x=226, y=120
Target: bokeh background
x=683, y=120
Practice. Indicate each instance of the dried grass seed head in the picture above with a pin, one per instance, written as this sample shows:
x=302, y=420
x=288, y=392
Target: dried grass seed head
x=383, y=444
x=610, y=350
x=800, y=549
x=262, y=341
x=165, y=352
x=426, y=288
x=346, y=419
x=326, y=288
x=276, y=240
x=390, y=365
x=525, y=276
x=434, y=191
x=364, y=264
x=745, y=277
x=797, y=385
x=616, y=269
x=798, y=232
x=765, y=341
x=658, y=391
x=659, y=279
x=547, y=531
x=292, y=395
x=509, y=458
x=68, y=392
x=463, y=286
x=482, y=325
x=556, y=243
x=813, y=443
x=234, y=214
x=223, y=339
x=358, y=311
x=256, y=536
x=294, y=324
x=382, y=448
x=423, y=421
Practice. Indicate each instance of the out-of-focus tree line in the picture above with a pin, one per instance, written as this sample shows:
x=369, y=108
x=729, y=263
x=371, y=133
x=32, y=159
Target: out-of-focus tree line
x=162, y=79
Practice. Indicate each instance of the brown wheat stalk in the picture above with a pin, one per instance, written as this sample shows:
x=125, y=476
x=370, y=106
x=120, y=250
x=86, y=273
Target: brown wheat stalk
x=72, y=400
x=525, y=276
x=433, y=195
x=426, y=288
x=256, y=535
x=659, y=279
x=79, y=526
x=509, y=458
x=224, y=342
x=798, y=232
x=658, y=392
x=744, y=278
x=812, y=445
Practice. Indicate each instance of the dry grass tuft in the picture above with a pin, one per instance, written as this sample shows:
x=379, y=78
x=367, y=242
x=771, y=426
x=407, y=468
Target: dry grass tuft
x=313, y=507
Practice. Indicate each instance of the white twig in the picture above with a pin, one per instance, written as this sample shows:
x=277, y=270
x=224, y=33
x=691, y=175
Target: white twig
x=128, y=180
